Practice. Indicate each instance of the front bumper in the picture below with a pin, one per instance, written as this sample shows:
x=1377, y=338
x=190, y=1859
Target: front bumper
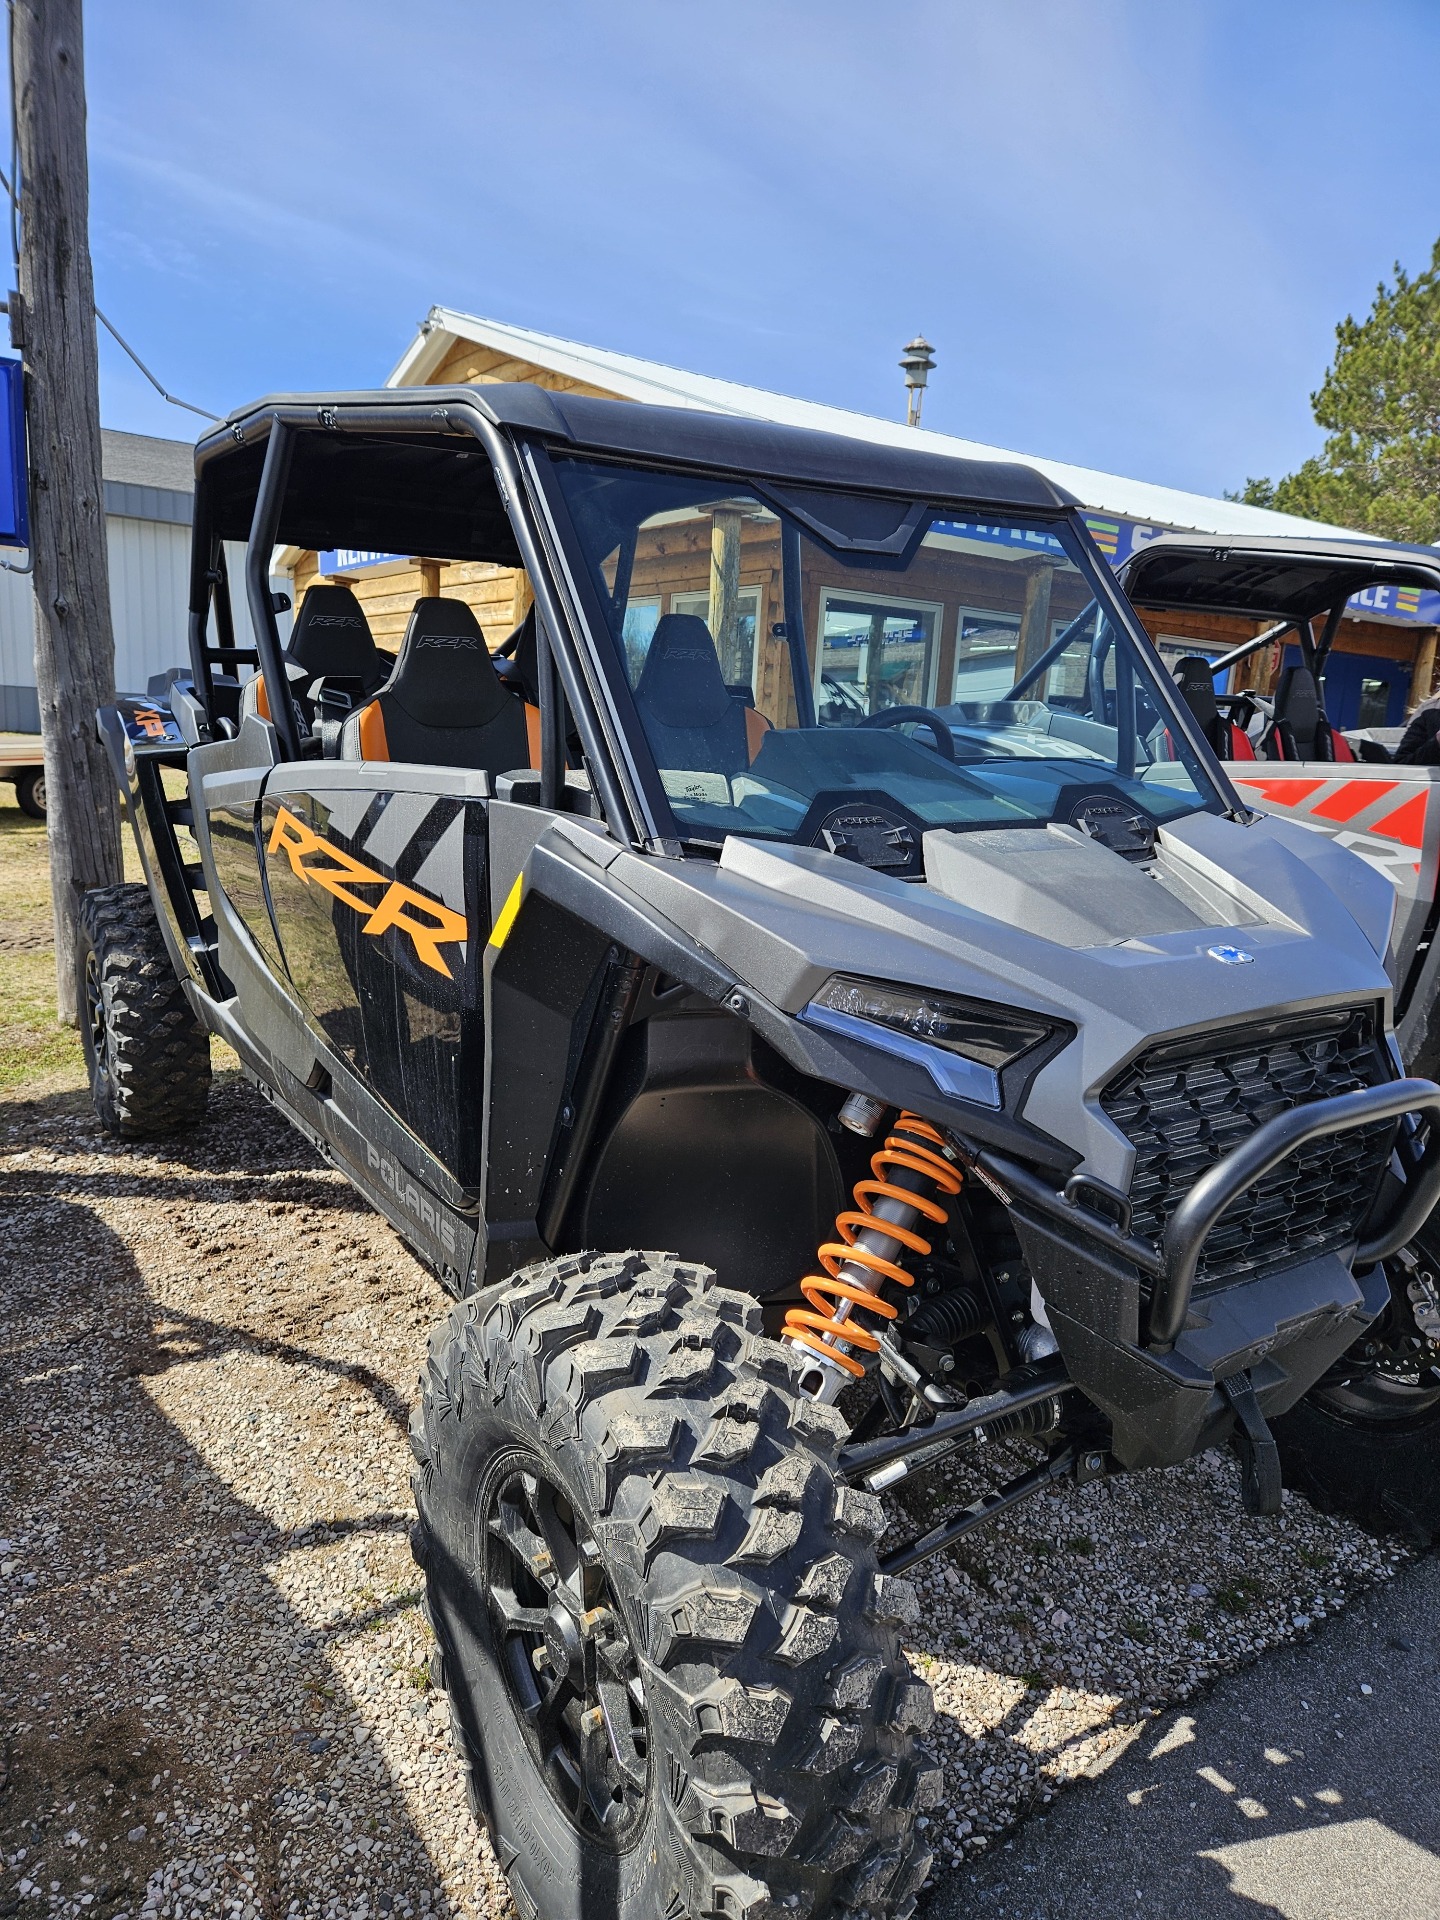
x=1146, y=1350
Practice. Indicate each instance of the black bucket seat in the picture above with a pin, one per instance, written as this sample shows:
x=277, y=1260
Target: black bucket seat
x=1299, y=729
x=332, y=647
x=691, y=718
x=1195, y=679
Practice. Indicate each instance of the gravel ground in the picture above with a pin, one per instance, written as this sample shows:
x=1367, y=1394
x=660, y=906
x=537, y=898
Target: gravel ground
x=213, y=1665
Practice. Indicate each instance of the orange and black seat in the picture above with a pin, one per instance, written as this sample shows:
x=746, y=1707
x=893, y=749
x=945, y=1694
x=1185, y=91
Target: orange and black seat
x=444, y=705
x=331, y=642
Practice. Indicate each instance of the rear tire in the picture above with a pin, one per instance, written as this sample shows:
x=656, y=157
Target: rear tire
x=613, y=1438
x=147, y=1055
x=30, y=792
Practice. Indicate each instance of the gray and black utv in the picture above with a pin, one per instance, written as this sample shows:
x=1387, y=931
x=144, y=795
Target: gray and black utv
x=801, y=1059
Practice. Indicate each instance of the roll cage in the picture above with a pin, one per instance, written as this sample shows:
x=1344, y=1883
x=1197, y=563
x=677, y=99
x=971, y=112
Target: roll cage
x=468, y=473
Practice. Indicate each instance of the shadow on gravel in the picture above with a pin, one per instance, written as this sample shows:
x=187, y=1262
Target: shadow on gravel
x=183, y=1337
x=1308, y=1791
x=163, y=1700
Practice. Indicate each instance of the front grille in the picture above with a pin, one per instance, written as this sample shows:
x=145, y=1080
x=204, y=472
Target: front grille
x=1184, y=1106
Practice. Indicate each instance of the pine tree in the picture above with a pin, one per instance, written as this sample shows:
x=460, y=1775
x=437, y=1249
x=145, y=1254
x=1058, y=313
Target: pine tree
x=1379, y=404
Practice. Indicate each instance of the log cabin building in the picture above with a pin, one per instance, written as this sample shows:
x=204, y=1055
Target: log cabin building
x=928, y=648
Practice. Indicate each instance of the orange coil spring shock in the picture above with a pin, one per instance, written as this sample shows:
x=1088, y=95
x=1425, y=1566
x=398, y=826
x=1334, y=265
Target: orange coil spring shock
x=867, y=1248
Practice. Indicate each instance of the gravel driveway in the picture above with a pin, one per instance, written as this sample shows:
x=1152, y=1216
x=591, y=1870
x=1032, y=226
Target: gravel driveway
x=213, y=1665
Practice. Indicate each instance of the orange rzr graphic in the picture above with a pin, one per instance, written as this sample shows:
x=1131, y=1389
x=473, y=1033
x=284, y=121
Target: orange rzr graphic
x=316, y=860
x=148, y=722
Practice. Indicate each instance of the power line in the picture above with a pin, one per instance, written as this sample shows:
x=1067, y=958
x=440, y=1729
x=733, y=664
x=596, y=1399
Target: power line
x=111, y=328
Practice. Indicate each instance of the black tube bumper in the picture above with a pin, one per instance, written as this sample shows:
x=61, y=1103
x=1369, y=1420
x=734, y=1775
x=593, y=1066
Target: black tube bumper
x=1189, y=1226
x=1144, y=1348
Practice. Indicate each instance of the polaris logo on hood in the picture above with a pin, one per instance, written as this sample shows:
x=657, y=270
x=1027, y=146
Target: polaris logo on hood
x=1230, y=956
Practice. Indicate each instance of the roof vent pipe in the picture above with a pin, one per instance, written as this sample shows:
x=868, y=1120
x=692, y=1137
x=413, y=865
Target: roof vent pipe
x=916, y=361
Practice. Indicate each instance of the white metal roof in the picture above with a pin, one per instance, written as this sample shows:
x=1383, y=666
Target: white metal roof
x=629, y=378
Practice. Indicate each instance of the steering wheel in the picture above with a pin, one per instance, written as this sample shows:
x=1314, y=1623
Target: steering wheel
x=921, y=716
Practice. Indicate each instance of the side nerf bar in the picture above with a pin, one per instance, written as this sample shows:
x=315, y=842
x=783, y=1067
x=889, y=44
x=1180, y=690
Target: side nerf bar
x=1172, y=1266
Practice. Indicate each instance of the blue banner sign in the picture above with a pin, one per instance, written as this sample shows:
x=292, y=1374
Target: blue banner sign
x=14, y=467
x=351, y=559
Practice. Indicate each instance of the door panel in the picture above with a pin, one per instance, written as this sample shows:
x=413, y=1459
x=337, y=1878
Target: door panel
x=231, y=800
x=377, y=881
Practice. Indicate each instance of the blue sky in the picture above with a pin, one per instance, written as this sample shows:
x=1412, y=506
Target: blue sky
x=1128, y=229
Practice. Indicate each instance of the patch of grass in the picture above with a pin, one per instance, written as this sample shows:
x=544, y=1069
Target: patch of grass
x=24, y=880
x=37, y=1055
x=1240, y=1595
x=1316, y=1557
x=1196, y=1630
x=1080, y=1543
x=1139, y=1630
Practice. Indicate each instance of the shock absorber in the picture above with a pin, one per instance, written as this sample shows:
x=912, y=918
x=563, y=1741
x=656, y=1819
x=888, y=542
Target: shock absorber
x=870, y=1239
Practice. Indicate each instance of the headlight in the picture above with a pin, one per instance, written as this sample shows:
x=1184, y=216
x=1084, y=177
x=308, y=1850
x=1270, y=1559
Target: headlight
x=962, y=1044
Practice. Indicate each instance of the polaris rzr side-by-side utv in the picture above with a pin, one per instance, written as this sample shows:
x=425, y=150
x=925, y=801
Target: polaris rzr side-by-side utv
x=799, y=1071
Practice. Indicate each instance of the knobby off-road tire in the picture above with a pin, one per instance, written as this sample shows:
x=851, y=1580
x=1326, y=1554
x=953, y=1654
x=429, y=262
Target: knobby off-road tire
x=1365, y=1441
x=147, y=1055
x=753, y=1672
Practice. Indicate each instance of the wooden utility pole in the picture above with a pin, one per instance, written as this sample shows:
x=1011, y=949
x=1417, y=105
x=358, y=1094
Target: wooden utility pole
x=1034, y=619
x=74, y=640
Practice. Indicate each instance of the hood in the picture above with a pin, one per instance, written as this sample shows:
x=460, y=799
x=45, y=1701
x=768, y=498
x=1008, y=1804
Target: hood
x=1047, y=920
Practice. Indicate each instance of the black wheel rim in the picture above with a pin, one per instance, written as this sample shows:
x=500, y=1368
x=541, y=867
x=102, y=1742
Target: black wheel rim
x=1389, y=1391
x=1392, y=1377
x=95, y=1017
x=566, y=1653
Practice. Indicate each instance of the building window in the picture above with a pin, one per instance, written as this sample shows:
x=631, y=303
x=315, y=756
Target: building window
x=874, y=653
x=986, y=644
x=1374, y=704
x=985, y=648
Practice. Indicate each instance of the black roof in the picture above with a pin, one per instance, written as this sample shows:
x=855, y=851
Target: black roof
x=1286, y=578
x=671, y=434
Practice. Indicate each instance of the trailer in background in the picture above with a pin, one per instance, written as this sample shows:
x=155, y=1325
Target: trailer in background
x=22, y=761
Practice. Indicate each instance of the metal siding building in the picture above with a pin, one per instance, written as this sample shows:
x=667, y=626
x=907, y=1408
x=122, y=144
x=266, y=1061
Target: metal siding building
x=149, y=504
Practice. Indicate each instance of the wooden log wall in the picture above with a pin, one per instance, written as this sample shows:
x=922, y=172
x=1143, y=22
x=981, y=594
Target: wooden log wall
x=500, y=596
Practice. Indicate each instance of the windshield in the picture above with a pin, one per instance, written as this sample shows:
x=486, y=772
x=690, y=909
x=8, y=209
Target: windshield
x=788, y=651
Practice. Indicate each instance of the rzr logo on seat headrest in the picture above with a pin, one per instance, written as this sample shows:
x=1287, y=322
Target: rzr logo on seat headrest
x=397, y=906
x=467, y=641
x=337, y=620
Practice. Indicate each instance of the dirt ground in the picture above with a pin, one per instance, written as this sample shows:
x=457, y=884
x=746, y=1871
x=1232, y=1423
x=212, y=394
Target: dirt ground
x=213, y=1667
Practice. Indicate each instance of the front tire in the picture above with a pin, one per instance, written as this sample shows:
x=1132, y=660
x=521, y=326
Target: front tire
x=674, y=1670
x=1365, y=1440
x=147, y=1055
